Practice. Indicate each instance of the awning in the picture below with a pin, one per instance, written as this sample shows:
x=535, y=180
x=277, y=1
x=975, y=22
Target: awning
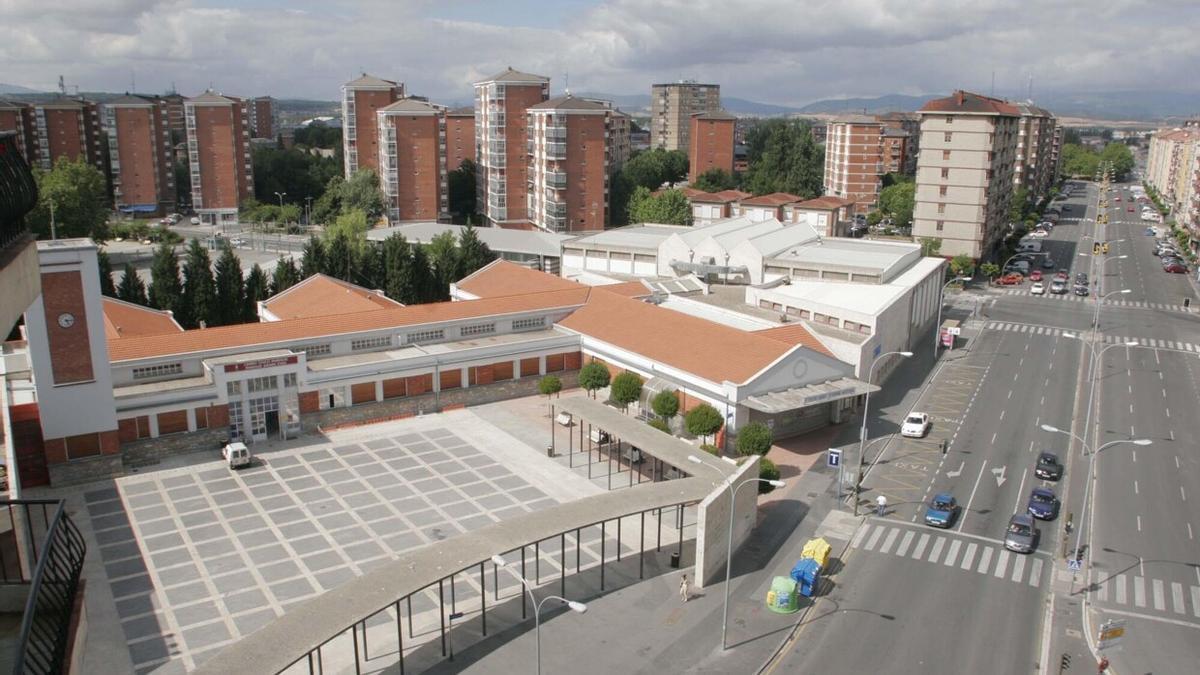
x=705, y=269
x=139, y=208
x=813, y=394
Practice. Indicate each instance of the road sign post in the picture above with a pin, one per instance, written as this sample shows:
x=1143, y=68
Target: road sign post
x=833, y=459
x=1111, y=633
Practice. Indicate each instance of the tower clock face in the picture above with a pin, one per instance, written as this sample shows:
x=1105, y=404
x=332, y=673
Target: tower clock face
x=66, y=320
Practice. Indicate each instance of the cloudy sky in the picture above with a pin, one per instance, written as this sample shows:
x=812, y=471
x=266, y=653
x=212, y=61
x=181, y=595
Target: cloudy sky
x=786, y=52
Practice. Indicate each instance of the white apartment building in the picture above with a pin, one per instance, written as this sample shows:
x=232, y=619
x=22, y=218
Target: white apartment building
x=671, y=108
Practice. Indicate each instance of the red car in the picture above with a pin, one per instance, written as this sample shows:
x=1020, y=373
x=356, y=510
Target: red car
x=1175, y=268
x=1117, y=198
x=1035, y=275
x=1010, y=279
x=1130, y=209
x=1062, y=275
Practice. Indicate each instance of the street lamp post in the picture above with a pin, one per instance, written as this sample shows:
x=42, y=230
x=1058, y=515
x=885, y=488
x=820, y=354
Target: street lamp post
x=937, y=327
x=732, y=489
x=1100, y=301
x=862, y=434
x=578, y=607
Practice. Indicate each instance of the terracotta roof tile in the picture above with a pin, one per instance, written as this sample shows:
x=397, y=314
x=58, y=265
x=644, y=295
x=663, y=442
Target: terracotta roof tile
x=321, y=295
x=796, y=334
x=968, y=102
x=501, y=277
x=773, y=199
x=707, y=349
x=258, y=336
x=628, y=289
x=125, y=319
x=826, y=202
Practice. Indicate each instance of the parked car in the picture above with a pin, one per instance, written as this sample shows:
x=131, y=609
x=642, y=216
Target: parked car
x=1037, y=289
x=236, y=455
x=1175, y=268
x=942, y=510
x=1081, y=290
x=1011, y=279
x=1130, y=209
x=194, y=220
x=1048, y=467
x=1058, y=287
x=1081, y=278
x=1043, y=504
x=1062, y=274
x=1035, y=275
x=1022, y=534
x=1038, y=234
x=916, y=425
x=1048, y=263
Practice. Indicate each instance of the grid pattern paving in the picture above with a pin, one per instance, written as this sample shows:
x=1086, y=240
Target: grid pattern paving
x=196, y=560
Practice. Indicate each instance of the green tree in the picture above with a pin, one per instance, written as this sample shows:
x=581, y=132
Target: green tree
x=318, y=135
x=461, y=191
x=715, y=180
x=78, y=193
x=104, y=265
x=990, y=270
x=351, y=224
x=754, y=439
x=703, y=421
x=931, y=246
x=443, y=252
x=362, y=192
x=132, y=289
x=425, y=283
x=166, y=290
x=400, y=282
x=257, y=290
x=784, y=158
x=473, y=254
x=890, y=179
x=626, y=388
x=620, y=190
x=874, y=217
x=229, y=290
x=328, y=206
x=767, y=471
x=962, y=265
x=593, y=376
x=368, y=267
x=284, y=276
x=1120, y=158
x=646, y=169
x=199, y=295
x=1079, y=161
x=549, y=385
x=660, y=425
x=898, y=201
x=674, y=165
x=339, y=254
x=312, y=258
x=669, y=207
x=295, y=172
x=1018, y=205
x=665, y=404
x=183, y=183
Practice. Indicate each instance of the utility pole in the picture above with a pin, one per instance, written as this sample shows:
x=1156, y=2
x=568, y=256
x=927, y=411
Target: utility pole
x=53, y=232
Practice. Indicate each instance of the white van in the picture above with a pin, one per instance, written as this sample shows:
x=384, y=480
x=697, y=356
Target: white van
x=1029, y=246
x=236, y=455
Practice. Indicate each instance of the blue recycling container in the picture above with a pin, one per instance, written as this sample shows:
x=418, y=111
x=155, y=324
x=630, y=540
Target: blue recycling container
x=807, y=575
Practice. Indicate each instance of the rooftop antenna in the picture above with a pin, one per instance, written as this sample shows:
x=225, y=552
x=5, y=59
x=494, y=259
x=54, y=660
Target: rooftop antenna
x=993, y=90
x=1030, y=88
x=62, y=87
x=132, y=81
x=567, y=82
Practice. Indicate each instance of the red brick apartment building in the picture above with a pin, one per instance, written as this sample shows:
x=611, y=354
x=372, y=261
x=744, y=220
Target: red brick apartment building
x=569, y=148
x=412, y=160
x=501, y=102
x=140, y=155
x=55, y=128
x=218, y=141
x=18, y=117
x=711, y=143
x=362, y=98
x=262, y=117
x=460, y=137
x=854, y=160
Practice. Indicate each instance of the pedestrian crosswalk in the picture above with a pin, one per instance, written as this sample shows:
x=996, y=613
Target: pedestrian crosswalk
x=1031, y=329
x=1131, y=590
x=949, y=550
x=1153, y=343
x=1050, y=331
x=1111, y=302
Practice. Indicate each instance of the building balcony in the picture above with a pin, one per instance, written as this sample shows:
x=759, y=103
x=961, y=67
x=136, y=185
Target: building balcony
x=556, y=179
x=556, y=209
x=556, y=223
x=557, y=132
x=496, y=147
x=556, y=151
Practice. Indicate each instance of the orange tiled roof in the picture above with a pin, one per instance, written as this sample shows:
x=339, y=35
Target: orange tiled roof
x=826, y=202
x=501, y=277
x=968, y=102
x=710, y=350
x=773, y=199
x=125, y=319
x=260, y=335
x=629, y=289
x=796, y=334
x=321, y=295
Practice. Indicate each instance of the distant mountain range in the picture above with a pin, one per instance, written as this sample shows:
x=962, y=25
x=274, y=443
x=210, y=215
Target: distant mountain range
x=16, y=89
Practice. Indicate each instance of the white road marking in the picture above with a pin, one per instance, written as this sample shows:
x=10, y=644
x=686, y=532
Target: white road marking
x=968, y=556
x=1139, y=523
x=1160, y=602
x=1121, y=599
x=1190, y=531
x=1010, y=393
x=1135, y=490
x=1001, y=563
x=952, y=554
x=875, y=538
x=924, y=541
x=1177, y=598
x=905, y=542
x=1018, y=568
x=936, y=552
x=1035, y=572
x=1102, y=592
x=887, y=543
x=984, y=559
x=963, y=520
x=1002, y=415
x=1176, y=461
x=1196, y=600
x=1182, y=494
x=858, y=536
x=1139, y=591
x=1133, y=452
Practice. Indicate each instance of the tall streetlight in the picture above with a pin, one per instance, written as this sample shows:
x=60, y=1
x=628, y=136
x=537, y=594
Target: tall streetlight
x=732, y=489
x=862, y=434
x=1092, y=362
x=937, y=327
x=1091, y=464
x=578, y=607
x=1100, y=301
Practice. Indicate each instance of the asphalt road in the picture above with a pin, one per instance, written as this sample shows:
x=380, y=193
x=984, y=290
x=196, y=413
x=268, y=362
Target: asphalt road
x=912, y=599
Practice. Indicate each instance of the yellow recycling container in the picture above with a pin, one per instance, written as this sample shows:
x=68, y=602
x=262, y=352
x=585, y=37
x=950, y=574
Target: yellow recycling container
x=817, y=549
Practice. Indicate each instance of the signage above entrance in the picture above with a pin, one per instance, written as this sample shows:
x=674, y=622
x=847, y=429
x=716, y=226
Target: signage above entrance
x=262, y=363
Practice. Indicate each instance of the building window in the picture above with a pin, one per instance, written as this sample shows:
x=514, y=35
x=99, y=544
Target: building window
x=942, y=191
x=264, y=383
x=941, y=208
x=945, y=173
x=477, y=329
x=233, y=388
x=527, y=324
x=370, y=343
x=940, y=225
x=945, y=154
x=163, y=370
x=425, y=336
x=289, y=380
x=949, y=119
x=316, y=350
x=949, y=136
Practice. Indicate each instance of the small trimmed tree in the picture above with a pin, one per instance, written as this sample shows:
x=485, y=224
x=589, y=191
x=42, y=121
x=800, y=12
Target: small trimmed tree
x=665, y=404
x=767, y=471
x=593, y=376
x=626, y=388
x=990, y=270
x=754, y=439
x=962, y=265
x=660, y=425
x=549, y=385
x=703, y=421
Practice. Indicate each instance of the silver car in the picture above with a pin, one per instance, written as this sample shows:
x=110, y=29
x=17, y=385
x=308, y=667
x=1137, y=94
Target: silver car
x=1022, y=535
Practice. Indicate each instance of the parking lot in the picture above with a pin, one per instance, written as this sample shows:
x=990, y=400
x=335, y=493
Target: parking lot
x=196, y=557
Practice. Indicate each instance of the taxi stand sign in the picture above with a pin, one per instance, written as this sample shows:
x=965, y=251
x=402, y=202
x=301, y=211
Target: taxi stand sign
x=833, y=459
x=1111, y=633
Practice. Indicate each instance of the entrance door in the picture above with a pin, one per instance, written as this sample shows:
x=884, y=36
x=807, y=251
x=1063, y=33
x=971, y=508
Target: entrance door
x=264, y=417
x=273, y=423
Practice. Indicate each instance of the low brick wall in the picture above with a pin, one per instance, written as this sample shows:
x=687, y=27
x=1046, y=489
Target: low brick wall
x=409, y=406
x=86, y=470
x=152, y=450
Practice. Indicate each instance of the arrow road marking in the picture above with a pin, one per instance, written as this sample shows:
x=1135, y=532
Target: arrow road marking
x=957, y=472
x=999, y=475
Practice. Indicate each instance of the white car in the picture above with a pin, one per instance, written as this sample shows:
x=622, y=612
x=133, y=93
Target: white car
x=1038, y=234
x=195, y=220
x=1038, y=288
x=916, y=425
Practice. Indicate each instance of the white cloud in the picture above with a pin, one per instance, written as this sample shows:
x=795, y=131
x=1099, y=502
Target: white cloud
x=779, y=51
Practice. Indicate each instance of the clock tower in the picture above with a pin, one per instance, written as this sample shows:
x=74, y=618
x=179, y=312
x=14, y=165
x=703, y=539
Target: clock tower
x=69, y=354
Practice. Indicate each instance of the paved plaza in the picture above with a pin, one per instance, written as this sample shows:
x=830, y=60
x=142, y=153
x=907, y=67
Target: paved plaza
x=197, y=557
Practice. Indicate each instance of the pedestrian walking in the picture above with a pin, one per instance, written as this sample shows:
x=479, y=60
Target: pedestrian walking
x=683, y=589
x=880, y=505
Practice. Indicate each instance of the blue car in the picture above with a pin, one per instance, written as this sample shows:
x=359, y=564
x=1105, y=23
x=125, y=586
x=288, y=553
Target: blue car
x=941, y=510
x=1043, y=504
